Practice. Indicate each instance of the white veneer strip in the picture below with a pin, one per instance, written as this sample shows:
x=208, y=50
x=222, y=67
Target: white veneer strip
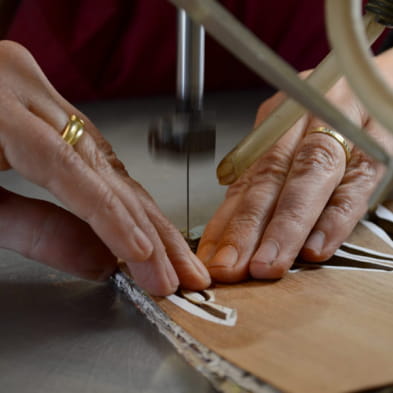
x=384, y=213
x=363, y=259
x=199, y=312
x=368, y=251
x=378, y=231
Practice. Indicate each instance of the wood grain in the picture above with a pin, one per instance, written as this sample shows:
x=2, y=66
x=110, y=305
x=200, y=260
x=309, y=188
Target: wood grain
x=314, y=331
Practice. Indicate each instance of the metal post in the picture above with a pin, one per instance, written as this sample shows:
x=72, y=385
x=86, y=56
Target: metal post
x=190, y=63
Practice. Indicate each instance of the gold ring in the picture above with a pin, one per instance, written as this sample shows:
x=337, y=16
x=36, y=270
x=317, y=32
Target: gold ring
x=73, y=130
x=338, y=137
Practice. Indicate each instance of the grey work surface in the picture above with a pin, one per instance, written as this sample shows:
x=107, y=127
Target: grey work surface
x=62, y=334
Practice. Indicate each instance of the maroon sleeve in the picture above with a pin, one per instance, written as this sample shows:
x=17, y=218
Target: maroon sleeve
x=114, y=48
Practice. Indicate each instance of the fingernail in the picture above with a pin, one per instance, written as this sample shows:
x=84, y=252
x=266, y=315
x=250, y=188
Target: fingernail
x=144, y=244
x=206, y=252
x=267, y=252
x=315, y=242
x=200, y=267
x=226, y=257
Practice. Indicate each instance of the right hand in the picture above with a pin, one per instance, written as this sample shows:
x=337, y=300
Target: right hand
x=299, y=198
x=111, y=216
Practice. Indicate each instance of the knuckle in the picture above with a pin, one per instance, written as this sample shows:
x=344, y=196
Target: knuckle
x=106, y=203
x=249, y=220
x=106, y=200
x=106, y=148
x=245, y=225
x=362, y=169
x=165, y=226
x=66, y=157
x=104, y=145
x=273, y=172
x=250, y=214
x=242, y=228
x=102, y=157
x=239, y=186
x=273, y=167
x=255, y=203
x=316, y=156
x=99, y=162
x=292, y=215
x=343, y=206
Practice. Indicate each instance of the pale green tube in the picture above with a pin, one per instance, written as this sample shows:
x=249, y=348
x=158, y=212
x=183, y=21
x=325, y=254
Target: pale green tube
x=324, y=76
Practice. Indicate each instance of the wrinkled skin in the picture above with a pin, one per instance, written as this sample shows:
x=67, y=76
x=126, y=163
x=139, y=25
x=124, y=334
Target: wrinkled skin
x=109, y=215
x=298, y=198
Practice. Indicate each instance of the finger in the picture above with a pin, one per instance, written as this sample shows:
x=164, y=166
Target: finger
x=216, y=226
x=231, y=235
x=171, y=264
x=317, y=169
x=37, y=121
x=95, y=168
x=248, y=220
x=349, y=201
x=157, y=275
x=47, y=233
x=190, y=270
x=171, y=260
x=94, y=201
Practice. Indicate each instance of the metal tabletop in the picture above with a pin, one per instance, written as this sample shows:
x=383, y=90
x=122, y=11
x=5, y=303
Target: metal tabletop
x=59, y=333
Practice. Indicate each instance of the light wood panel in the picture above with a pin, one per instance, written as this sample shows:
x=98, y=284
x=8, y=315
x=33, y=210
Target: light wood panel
x=313, y=331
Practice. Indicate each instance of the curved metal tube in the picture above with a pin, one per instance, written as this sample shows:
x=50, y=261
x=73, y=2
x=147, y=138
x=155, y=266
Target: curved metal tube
x=347, y=37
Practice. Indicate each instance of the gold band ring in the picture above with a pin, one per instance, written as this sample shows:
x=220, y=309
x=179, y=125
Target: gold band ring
x=73, y=130
x=338, y=137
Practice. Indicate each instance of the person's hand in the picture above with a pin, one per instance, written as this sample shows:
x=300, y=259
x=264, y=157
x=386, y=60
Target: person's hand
x=110, y=215
x=301, y=197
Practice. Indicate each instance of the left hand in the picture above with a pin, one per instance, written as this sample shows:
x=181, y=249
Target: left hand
x=107, y=214
x=301, y=197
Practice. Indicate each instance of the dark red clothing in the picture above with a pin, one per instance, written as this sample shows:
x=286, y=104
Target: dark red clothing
x=113, y=48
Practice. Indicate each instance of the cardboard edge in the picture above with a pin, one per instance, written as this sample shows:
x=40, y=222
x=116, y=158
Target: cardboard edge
x=223, y=375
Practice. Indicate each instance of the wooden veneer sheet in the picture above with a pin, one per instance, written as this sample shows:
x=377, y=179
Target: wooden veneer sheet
x=314, y=331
